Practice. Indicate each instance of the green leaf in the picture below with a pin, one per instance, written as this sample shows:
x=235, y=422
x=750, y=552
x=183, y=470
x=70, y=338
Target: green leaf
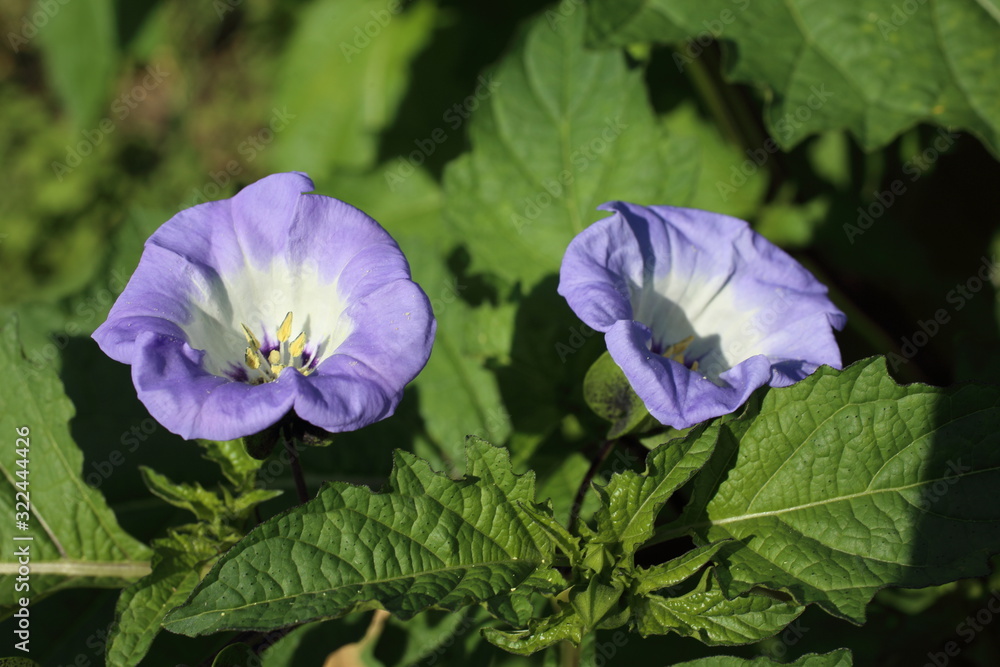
x=609, y=394
x=560, y=536
x=80, y=48
x=560, y=130
x=342, y=78
x=839, y=658
x=706, y=614
x=847, y=482
x=867, y=66
x=427, y=541
x=18, y=662
x=142, y=606
x=676, y=570
x=236, y=655
x=84, y=547
x=238, y=467
x=204, y=504
x=631, y=501
x=564, y=625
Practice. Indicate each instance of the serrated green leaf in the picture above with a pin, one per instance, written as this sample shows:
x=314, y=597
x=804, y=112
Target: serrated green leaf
x=676, y=570
x=867, y=66
x=204, y=504
x=236, y=464
x=609, y=394
x=839, y=658
x=342, y=78
x=142, y=606
x=847, y=482
x=631, y=501
x=82, y=547
x=565, y=624
x=429, y=541
x=567, y=543
x=595, y=602
x=706, y=614
x=560, y=130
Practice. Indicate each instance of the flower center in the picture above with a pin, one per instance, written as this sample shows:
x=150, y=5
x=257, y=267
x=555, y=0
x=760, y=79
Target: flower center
x=677, y=350
x=264, y=364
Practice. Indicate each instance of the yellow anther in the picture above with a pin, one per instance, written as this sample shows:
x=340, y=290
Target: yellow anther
x=250, y=337
x=694, y=365
x=253, y=358
x=285, y=330
x=298, y=345
x=676, y=351
x=276, y=369
x=273, y=357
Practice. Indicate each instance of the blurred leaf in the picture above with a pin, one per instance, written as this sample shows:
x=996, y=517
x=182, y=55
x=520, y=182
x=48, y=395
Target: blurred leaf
x=904, y=473
x=458, y=395
x=719, y=176
x=342, y=78
x=75, y=547
x=868, y=66
x=398, y=550
x=81, y=52
x=792, y=225
x=558, y=131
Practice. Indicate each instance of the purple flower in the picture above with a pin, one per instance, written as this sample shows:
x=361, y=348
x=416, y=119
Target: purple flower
x=697, y=309
x=244, y=309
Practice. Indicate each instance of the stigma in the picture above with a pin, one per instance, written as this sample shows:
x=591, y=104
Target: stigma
x=264, y=362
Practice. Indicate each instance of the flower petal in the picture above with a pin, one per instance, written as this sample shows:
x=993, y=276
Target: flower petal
x=674, y=394
x=193, y=403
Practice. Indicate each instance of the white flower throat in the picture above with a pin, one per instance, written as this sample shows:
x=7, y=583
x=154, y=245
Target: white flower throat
x=265, y=366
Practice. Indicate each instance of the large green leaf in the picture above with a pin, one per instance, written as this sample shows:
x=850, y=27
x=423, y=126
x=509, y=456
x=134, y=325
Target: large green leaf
x=558, y=131
x=342, y=78
x=847, y=482
x=75, y=539
x=429, y=541
x=871, y=66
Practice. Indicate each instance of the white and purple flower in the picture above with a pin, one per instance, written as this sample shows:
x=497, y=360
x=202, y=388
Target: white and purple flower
x=697, y=309
x=245, y=309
